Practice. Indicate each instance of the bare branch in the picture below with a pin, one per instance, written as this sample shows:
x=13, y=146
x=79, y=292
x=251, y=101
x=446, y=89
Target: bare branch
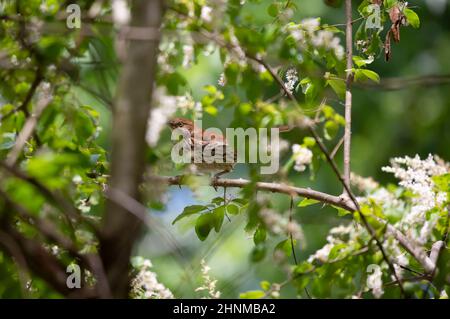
x=417, y=252
x=338, y=201
x=348, y=92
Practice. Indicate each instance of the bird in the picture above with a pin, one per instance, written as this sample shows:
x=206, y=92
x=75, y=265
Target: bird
x=215, y=144
x=217, y=157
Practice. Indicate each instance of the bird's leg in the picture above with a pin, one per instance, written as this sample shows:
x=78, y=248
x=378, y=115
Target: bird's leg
x=216, y=177
x=180, y=179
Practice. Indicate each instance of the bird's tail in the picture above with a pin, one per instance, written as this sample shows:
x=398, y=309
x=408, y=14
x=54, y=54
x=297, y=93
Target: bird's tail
x=284, y=128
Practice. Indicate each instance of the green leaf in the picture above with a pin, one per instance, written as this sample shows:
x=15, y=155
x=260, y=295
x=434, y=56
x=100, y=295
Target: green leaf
x=335, y=251
x=364, y=74
x=204, y=224
x=190, y=210
x=260, y=235
x=219, y=214
x=211, y=109
x=240, y=201
x=307, y=202
x=309, y=141
x=360, y=62
x=217, y=200
x=272, y=10
x=412, y=17
x=253, y=294
x=442, y=182
x=338, y=86
x=342, y=212
x=285, y=246
x=330, y=129
x=265, y=285
x=258, y=252
x=232, y=209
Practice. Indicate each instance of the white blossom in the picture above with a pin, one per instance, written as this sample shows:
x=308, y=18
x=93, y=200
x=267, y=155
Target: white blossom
x=321, y=254
x=416, y=175
x=302, y=156
x=205, y=14
x=222, y=80
x=166, y=107
x=146, y=286
x=209, y=285
x=291, y=80
x=188, y=55
x=375, y=282
x=308, y=33
x=121, y=12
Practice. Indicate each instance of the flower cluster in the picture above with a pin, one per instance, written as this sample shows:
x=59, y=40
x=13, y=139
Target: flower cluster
x=416, y=175
x=309, y=31
x=209, y=285
x=145, y=284
x=302, y=156
x=414, y=209
x=375, y=282
x=291, y=80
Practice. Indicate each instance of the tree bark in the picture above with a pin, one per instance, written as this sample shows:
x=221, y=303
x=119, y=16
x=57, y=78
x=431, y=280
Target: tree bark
x=132, y=107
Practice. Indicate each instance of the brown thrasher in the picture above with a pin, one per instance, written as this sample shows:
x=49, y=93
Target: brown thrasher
x=214, y=142
x=201, y=140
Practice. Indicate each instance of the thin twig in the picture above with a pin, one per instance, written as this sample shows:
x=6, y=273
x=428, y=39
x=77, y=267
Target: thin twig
x=348, y=92
x=291, y=207
x=337, y=147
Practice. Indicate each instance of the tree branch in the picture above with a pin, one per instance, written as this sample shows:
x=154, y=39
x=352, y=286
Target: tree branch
x=132, y=107
x=348, y=92
x=338, y=201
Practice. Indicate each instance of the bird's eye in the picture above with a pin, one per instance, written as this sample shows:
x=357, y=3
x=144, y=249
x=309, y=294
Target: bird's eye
x=179, y=124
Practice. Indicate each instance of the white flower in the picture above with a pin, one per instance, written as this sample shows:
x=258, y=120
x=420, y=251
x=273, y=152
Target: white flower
x=310, y=24
x=222, y=80
x=302, y=156
x=121, y=12
x=205, y=14
x=416, y=175
x=77, y=179
x=375, y=283
x=146, y=286
x=291, y=79
x=166, y=107
x=321, y=254
x=209, y=284
x=188, y=55
x=308, y=33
